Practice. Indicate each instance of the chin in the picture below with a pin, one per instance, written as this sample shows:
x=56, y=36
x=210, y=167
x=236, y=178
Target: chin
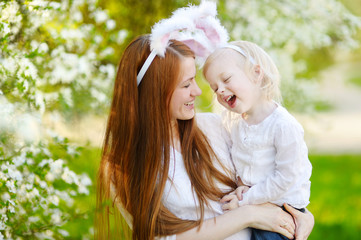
x=188, y=116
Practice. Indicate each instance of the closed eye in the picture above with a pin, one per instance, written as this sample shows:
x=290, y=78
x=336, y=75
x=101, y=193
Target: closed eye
x=188, y=83
x=227, y=79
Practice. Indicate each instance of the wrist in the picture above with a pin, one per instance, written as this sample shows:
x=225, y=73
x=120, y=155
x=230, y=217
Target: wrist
x=250, y=212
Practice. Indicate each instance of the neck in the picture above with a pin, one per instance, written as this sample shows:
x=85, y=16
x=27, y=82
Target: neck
x=259, y=112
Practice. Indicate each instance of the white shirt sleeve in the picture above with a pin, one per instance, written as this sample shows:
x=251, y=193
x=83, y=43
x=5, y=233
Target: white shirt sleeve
x=291, y=153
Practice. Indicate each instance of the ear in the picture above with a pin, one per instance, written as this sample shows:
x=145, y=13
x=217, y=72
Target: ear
x=258, y=74
x=197, y=47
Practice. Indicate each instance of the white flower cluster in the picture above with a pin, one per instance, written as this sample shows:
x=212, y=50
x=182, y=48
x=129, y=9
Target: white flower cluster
x=285, y=28
x=48, y=52
x=37, y=191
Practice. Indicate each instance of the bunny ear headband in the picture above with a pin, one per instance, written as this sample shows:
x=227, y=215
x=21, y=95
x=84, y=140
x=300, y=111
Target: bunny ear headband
x=195, y=26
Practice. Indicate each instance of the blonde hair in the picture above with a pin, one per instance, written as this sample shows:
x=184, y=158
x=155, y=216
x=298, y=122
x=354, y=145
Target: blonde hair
x=253, y=53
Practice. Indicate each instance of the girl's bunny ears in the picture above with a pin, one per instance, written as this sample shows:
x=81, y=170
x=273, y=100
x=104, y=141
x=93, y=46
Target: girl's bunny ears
x=196, y=26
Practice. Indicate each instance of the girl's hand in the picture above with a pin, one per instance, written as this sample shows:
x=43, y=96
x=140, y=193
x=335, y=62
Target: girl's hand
x=272, y=218
x=229, y=201
x=304, y=222
x=240, y=190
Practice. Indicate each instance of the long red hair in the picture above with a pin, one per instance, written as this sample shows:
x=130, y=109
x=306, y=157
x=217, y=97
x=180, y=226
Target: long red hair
x=136, y=150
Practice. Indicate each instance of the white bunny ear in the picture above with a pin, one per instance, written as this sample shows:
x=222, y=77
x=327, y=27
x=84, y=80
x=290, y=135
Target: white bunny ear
x=191, y=19
x=165, y=30
x=207, y=8
x=196, y=26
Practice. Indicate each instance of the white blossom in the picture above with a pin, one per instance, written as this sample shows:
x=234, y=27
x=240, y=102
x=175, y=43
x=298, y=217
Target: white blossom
x=54, y=199
x=69, y=176
x=56, y=217
x=10, y=184
x=110, y=24
x=14, y=174
x=5, y=197
x=100, y=16
x=63, y=233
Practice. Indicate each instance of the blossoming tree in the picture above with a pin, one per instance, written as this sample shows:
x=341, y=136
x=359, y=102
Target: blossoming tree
x=52, y=53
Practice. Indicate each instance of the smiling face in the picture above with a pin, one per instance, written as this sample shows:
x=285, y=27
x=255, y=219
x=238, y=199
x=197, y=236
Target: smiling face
x=186, y=91
x=235, y=89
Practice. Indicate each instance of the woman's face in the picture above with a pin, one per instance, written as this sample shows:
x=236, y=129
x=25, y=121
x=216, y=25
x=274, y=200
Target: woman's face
x=186, y=91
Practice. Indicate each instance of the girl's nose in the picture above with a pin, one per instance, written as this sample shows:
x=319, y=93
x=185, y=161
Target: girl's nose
x=220, y=89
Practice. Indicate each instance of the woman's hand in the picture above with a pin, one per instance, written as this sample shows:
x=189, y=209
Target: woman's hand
x=304, y=222
x=272, y=218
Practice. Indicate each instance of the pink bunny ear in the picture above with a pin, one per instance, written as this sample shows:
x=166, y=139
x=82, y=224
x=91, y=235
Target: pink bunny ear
x=164, y=40
x=211, y=33
x=198, y=48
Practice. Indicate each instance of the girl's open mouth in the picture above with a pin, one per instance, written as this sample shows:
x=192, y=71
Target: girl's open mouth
x=231, y=100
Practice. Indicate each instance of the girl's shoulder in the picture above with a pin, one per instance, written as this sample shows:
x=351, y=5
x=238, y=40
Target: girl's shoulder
x=285, y=120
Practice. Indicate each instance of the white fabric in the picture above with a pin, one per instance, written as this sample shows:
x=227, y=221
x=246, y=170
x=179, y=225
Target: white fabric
x=272, y=158
x=178, y=195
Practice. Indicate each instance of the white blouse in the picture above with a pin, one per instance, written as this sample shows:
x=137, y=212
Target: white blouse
x=178, y=195
x=272, y=158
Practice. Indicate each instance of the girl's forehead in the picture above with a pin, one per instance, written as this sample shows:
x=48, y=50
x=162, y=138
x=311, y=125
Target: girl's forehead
x=227, y=55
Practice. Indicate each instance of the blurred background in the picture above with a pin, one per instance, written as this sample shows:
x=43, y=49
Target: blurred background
x=58, y=61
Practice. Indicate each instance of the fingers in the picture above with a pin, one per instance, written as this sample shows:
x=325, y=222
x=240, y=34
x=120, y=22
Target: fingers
x=285, y=233
x=291, y=210
x=230, y=202
x=230, y=205
x=288, y=224
x=304, y=222
x=240, y=191
x=227, y=198
x=289, y=229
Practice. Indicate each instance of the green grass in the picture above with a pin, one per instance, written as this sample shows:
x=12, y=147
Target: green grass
x=335, y=196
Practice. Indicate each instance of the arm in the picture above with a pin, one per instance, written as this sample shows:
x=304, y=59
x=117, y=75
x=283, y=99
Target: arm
x=266, y=216
x=291, y=156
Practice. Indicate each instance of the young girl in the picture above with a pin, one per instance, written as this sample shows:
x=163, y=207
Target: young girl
x=268, y=148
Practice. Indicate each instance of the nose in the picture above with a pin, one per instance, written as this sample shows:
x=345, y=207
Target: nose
x=196, y=91
x=220, y=89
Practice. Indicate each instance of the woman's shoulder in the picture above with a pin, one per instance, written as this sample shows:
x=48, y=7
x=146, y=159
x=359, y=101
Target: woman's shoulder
x=212, y=126
x=208, y=117
x=209, y=122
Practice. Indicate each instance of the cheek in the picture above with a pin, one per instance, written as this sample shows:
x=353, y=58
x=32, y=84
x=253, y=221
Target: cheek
x=219, y=98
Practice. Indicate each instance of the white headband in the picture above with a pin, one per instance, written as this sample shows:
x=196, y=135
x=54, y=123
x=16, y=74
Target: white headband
x=238, y=49
x=145, y=66
x=195, y=26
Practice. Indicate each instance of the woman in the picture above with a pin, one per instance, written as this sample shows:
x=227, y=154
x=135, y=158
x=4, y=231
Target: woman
x=154, y=153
